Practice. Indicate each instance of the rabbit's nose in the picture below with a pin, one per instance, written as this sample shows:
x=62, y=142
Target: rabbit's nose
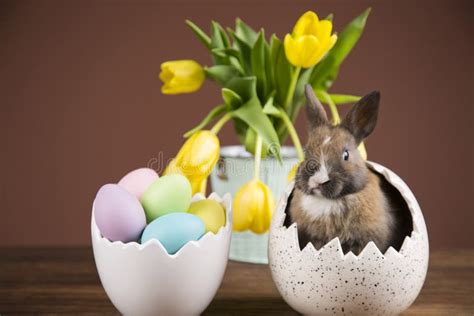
x=317, y=181
x=323, y=183
x=320, y=177
x=320, y=184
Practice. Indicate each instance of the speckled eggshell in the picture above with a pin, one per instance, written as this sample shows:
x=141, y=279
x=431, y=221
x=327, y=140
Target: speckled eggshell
x=326, y=281
x=138, y=181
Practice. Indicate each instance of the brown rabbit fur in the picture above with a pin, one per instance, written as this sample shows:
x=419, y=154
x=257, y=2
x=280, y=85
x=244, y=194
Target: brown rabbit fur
x=336, y=194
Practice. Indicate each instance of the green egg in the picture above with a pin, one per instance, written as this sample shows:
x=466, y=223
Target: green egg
x=211, y=212
x=168, y=194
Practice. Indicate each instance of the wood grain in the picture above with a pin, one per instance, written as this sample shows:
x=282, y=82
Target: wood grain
x=65, y=280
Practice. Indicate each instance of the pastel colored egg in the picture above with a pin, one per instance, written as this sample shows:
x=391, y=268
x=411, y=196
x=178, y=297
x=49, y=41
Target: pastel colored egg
x=118, y=214
x=174, y=230
x=210, y=212
x=138, y=181
x=168, y=194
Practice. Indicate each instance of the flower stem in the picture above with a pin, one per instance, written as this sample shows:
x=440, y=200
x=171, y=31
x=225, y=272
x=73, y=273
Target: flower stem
x=336, y=119
x=258, y=158
x=217, y=127
x=291, y=89
x=293, y=134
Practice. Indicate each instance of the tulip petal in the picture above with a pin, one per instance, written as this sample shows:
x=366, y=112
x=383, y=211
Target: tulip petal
x=198, y=184
x=324, y=30
x=332, y=41
x=291, y=50
x=165, y=75
x=181, y=76
x=172, y=168
x=263, y=215
x=303, y=51
x=310, y=41
x=199, y=154
x=292, y=173
x=253, y=207
x=167, y=64
x=362, y=151
x=306, y=25
x=196, y=159
x=327, y=46
x=245, y=201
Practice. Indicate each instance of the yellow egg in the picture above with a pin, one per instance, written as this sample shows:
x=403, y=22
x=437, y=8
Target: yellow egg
x=211, y=212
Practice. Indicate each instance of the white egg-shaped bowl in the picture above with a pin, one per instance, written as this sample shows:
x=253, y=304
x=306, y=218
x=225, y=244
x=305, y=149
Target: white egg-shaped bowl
x=327, y=281
x=143, y=279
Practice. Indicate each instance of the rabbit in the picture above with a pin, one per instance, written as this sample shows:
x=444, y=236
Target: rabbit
x=335, y=193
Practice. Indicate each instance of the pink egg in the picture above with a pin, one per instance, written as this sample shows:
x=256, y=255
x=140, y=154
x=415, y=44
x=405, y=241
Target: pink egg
x=138, y=181
x=118, y=214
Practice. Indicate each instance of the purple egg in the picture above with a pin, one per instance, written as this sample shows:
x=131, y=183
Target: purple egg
x=118, y=214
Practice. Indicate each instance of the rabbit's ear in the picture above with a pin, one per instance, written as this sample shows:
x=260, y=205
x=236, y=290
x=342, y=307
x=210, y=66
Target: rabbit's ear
x=314, y=109
x=362, y=118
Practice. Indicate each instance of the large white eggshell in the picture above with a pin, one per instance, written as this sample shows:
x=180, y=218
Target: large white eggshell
x=326, y=281
x=143, y=279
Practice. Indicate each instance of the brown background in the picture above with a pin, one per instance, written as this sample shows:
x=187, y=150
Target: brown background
x=81, y=103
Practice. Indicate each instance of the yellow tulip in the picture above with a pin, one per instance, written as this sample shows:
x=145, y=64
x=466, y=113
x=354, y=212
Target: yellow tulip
x=172, y=168
x=181, y=76
x=362, y=151
x=292, y=173
x=196, y=159
x=253, y=207
x=199, y=154
x=202, y=186
x=310, y=41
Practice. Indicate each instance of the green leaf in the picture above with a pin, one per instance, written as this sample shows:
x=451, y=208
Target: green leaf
x=251, y=142
x=273, y=51
x=215, y=112
x=232, y=99
x=330, y=17
x=271, y=109
x=240, y=128
x=206, y=40
x=219, y=40
x=222, y=73
x=257, y=63
x=299, y=90
x=226, y=52
x=281, y=77
x=343, y=98
x=243, y=48
x=326, y=71
x=268, y=68
x=238, y=65
x=221, y=36
x=245, y=32
x=252, y=114
x=234, y=55
x=282, y=73
x=245, y=87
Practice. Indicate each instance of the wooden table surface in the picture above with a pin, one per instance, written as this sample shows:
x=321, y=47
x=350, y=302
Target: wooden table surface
x=65, y=280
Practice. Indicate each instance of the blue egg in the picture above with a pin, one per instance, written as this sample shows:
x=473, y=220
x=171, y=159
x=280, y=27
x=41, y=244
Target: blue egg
x=174, y=230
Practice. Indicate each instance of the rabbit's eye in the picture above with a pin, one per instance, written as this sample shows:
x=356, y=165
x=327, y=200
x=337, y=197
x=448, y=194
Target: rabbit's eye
x=345, y=155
